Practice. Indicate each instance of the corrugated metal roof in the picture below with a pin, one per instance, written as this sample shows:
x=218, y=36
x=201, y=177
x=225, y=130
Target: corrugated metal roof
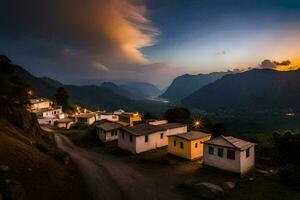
x=143, y=129
x=108, y=126
x=193, y=135
x=231, y=142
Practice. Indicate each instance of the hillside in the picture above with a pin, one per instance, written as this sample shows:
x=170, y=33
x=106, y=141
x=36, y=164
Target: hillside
x=184, y=85
x=91, y=96
x=29, y=166
x=258, y=89
x=117, y=89
x=141, y=90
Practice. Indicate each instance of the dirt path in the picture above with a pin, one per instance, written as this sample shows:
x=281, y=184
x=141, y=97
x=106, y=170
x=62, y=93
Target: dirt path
x=108, y=178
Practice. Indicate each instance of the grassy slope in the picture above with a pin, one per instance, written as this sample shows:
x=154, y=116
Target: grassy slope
x=42, y=176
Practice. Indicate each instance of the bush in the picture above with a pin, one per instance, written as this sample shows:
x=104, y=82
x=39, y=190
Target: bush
x=290, y=175
x=81, y=126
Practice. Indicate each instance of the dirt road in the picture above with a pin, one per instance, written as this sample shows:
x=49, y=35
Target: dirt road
x=108, y=178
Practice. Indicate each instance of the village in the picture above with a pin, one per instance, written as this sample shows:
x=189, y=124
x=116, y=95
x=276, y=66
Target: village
x=130, y=133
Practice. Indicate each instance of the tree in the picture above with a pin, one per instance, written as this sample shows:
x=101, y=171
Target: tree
x=218, y=129
x=61, y=98
x=180, y=115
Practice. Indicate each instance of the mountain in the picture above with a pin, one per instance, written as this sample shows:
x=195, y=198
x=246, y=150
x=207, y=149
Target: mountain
x=52, y=82
x=141, y=90
x=254, y=90
x=91, y=96
x=184, y=85
x=117, y=89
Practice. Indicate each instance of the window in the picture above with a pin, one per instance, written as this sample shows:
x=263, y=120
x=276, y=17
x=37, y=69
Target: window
x=123, y=135
x=174, y=143
x=181, y=145
x=112, y=133
x=247, y=152
x=146, y=138
x=131, y=138
x=220, y=152
x=161, y=136
x=196, y=145
x=231, y=154
x=211, y=150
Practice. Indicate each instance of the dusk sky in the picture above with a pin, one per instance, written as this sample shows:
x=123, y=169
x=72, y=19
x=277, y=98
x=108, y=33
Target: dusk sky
x=76, y=41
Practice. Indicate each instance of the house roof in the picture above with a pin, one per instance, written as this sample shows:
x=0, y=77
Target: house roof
x=231, y=142
x=193, y=135
x=65, y=120
x=85, y=115
x=171, y=125
x=142, y=129
x=108, y=126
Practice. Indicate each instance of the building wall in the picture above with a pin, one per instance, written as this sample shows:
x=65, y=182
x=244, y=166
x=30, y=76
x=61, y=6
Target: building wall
x=154, y=141
x=112, y=118
x=52, y=113
x=106, y=136
x=134, y=118
x=124, y=143
x=176, y=131
x=41, y=105
x=247, y=164
x=221, y=162
x=197, y=152
x=184, y=152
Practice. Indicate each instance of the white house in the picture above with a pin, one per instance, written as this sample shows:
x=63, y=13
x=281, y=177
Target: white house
x=88, y=118
x=108, y=116
x=49, y=115
x=145, y=137
x=108, y=131
x=64, y=123
x=119, y=112
x=229, y=154
x=39, y=103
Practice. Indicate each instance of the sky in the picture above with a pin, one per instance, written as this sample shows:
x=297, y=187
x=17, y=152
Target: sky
x=86, y=42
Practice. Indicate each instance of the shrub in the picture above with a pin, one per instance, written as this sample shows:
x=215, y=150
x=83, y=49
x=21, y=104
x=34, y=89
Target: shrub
x=81, y=126
x=290, y=175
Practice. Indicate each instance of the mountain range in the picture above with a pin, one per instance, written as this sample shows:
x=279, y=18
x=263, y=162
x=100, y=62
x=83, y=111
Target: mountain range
x=184, y=85
x=254, y=90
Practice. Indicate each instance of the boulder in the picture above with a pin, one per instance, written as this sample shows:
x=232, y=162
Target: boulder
x=228, y=185
x=4, y=168
x=14, y=190
x=208, y=190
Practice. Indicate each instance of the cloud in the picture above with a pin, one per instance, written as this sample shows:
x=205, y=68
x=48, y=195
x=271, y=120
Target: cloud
x=268, y=64
x=221, y=53
x=78, y=38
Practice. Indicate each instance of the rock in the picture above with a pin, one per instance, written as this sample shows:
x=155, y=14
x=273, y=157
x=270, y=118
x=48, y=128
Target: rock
x=251, y=178
x=228, y=185
x=4, y=168
x=208, y=190
x=14, y=190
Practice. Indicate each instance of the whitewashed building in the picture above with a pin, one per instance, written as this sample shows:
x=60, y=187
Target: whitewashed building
x=88, y=118
x=108, y=131
x=157, y=121
x=39, y=103
x=108, y=116
x=229, y=154
x=145, y=137
x=49, y=115
x=119, y=112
